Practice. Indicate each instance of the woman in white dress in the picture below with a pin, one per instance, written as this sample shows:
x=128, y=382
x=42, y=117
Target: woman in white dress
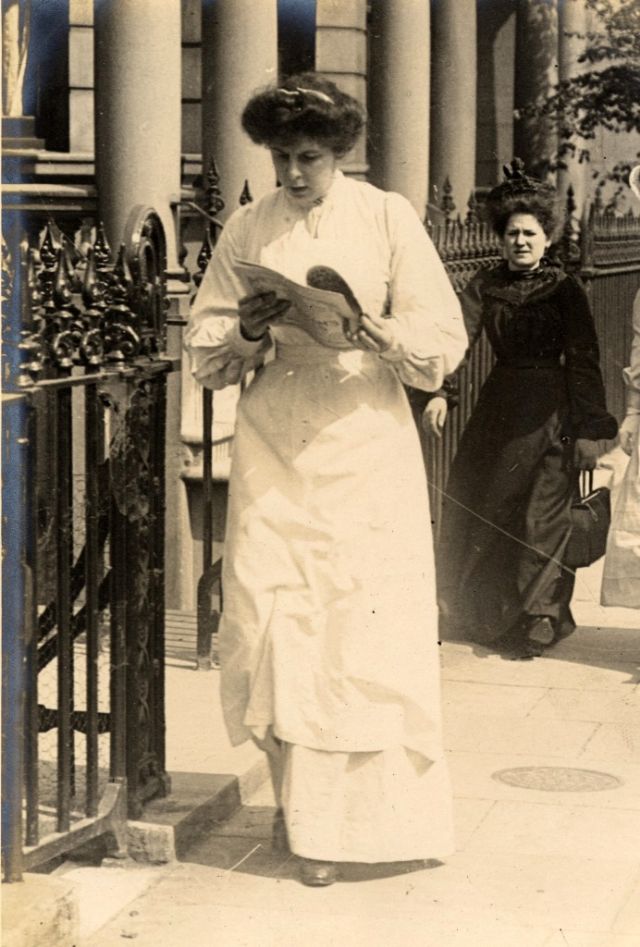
x=621, y=576
x=328, y=641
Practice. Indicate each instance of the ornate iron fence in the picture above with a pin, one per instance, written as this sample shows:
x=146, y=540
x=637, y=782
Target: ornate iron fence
x=603, y=249
x=464, y=247
x=83, y=637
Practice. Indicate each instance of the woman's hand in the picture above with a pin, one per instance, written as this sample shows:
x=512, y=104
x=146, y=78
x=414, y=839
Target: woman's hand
x=258, y=312
x=585, y=454
x=629, y=427
x=434, y=416
x=374, y=334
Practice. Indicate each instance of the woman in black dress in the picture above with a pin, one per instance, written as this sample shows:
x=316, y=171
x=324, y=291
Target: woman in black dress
x=506, y=515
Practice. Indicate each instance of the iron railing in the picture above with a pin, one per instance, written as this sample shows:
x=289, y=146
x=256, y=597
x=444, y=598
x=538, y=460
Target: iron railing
x=603, y=249
x=209, y=591
x=83, y=635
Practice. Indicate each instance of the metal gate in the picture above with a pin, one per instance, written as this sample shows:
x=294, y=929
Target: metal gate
x=85, y=379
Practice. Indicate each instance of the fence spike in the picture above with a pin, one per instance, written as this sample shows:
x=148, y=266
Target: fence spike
x=101, y=249
x=448, y=204
x=215, y=203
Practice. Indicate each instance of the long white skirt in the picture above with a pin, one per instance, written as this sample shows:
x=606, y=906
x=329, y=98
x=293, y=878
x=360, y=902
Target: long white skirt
x=329, y=631
x=366, y=807
x=621, y=576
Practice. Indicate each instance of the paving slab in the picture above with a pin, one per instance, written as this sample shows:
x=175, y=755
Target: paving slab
x=596, y=706
x=478, y=734
x=565, y=938
x=468, y=662
x=563, y=891
x=550, y=862
x=286, y=923
x=101, y=893
x=493, y=700
x=614, y=740
x=546, y=829
x=628, y=919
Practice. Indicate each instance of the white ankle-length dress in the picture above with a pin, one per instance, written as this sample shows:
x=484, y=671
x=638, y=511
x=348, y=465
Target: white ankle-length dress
x=621, y=573
x=329, y=631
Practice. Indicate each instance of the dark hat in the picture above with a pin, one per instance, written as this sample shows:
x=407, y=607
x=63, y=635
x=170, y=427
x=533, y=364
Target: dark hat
x=519, y=192
x=518, y=184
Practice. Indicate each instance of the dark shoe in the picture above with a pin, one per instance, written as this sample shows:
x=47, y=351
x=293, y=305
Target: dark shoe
x=317, y=874
x=279, y=837
x=564, y=628
x=526, y=652
x=540, y=630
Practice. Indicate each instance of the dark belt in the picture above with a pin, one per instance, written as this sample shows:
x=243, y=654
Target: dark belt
x=529, y=363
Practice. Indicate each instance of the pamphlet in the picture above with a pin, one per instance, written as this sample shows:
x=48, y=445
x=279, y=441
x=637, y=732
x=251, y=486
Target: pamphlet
x=323, y=314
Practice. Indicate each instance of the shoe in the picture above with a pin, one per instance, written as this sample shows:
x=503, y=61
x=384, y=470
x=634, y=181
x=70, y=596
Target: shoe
x=317, y=874
x=279, y=836
x=526, y=652
x=540, y=630
x=564, y=628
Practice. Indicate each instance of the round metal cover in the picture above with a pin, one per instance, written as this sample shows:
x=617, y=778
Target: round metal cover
x=557, y=779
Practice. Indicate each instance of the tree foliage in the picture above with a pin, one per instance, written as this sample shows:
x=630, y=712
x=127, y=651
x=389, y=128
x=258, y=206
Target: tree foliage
x=605, y=94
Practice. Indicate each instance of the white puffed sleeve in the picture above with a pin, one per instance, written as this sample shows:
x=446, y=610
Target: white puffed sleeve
x=632, y=372
x=430, y=338
x=220, y=354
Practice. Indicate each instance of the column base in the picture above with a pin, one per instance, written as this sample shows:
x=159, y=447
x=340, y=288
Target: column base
x=18, y=132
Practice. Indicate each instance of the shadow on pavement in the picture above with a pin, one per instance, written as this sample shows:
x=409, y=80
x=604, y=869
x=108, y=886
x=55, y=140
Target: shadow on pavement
x=243, y=846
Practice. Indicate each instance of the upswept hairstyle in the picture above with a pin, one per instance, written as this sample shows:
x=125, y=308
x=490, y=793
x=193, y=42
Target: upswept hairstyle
x=304, y=106
x=521, y=194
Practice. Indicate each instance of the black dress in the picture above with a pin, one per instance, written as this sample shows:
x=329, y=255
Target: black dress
x=506, y=514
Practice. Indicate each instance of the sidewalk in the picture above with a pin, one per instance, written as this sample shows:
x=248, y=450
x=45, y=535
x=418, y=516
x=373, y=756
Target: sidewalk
x=545, y=762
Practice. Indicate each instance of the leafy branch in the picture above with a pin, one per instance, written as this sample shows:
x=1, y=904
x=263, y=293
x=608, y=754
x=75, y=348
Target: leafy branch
x=605, y=95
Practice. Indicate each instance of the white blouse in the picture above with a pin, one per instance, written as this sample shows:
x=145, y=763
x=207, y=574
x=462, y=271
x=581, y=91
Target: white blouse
x=376, y=242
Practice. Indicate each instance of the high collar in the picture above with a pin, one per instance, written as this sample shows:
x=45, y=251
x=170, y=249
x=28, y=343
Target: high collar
x=322, y=204
x=518, y=285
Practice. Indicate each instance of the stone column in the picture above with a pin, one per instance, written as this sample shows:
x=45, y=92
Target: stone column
x=399, y=81
x=453, y=98
x=572, y=29
x=536, y=72
x=81, y=76
x=239, y=55
x=341, y=55
x=138, y=78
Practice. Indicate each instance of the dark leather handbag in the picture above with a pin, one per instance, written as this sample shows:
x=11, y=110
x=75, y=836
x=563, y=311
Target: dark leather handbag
x=590, y=519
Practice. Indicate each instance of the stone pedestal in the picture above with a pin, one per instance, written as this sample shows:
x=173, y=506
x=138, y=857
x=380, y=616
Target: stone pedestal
x=19, y=131
x=399, y=98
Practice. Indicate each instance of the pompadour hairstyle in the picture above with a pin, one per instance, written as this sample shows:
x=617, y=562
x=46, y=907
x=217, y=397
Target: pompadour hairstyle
x=304, y=106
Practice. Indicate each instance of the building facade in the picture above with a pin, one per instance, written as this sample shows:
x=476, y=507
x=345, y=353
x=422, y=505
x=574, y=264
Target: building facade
x=119, y=104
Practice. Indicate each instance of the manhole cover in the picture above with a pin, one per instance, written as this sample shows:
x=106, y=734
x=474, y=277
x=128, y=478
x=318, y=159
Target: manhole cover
x=557, y=779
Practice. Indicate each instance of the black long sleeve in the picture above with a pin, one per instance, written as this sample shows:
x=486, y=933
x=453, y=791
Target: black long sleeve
x=589, y=417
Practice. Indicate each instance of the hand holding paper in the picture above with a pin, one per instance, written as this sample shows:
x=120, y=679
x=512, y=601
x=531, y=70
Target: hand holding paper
x=257, y=312
x=324, y=313
x=371, y=333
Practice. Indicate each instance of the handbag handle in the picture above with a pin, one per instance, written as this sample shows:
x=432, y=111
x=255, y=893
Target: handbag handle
x=586, y=482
